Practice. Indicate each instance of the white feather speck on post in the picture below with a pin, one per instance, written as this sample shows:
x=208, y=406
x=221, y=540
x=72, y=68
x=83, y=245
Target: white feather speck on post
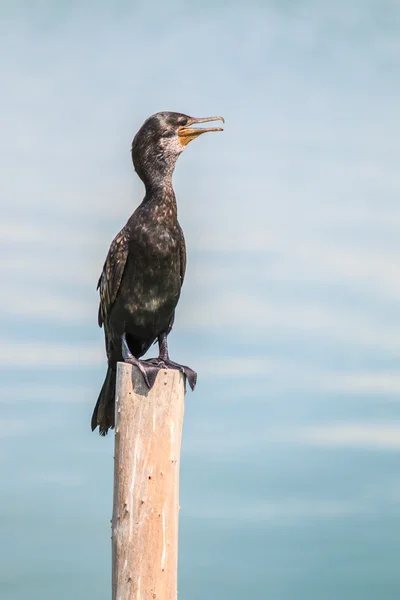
x=148, y=430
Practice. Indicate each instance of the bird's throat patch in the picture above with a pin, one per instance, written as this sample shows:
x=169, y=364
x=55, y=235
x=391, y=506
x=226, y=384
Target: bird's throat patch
x=187, y=135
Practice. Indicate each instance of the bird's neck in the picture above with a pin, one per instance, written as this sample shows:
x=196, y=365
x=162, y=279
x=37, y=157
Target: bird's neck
x=160, y=196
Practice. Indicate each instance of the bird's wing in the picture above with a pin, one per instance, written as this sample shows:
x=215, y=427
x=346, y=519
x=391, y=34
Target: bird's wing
x=182, y=253
x=182, y=256
x=110, y=278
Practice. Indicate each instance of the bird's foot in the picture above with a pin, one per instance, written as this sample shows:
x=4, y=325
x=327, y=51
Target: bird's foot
x=162, y=363
x=148, y=371
x=150, y=367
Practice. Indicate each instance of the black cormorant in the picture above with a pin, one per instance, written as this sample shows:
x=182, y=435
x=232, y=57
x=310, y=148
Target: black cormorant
x=143, y=273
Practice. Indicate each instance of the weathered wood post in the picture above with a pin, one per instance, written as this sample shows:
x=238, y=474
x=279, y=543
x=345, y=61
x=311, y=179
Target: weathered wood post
x=148, y=430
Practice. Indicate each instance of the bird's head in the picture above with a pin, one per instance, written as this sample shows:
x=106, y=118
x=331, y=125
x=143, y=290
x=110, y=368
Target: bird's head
x=161, y=139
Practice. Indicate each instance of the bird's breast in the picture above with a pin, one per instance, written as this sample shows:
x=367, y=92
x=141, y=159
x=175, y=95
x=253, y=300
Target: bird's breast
x=153, y=272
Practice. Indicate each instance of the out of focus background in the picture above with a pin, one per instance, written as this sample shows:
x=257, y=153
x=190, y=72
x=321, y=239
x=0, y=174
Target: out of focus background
x=290, y=481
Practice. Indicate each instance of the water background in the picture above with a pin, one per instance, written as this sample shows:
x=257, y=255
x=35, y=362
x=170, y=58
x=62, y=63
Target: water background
x=290, y=481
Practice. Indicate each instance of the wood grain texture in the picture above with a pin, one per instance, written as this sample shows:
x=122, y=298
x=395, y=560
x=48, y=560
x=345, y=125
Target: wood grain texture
x=148, y=431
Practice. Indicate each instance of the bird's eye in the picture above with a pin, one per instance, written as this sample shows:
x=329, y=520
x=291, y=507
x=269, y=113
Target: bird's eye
x=185, y=122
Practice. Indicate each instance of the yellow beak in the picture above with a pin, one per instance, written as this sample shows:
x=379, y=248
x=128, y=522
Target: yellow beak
x=187, y=133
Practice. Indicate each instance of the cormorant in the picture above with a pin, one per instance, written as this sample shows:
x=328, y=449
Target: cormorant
x=144, y=270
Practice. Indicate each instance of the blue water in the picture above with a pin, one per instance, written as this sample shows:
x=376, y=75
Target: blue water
x=289, y=312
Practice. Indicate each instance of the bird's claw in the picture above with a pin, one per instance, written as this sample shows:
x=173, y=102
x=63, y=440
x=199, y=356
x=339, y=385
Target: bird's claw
x=160, y=363
x=149, y=378
x=149, y=368
x=190, y=375
x=149, y=372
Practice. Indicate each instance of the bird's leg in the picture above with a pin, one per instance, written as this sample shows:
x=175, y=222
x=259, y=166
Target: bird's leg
x=148, y=370
x=163, y=361
x=163, y=347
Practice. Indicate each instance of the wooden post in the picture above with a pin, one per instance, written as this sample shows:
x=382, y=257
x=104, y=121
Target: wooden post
x=148, y=430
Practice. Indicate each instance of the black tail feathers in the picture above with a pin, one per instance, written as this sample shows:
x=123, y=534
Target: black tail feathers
x=103, y=414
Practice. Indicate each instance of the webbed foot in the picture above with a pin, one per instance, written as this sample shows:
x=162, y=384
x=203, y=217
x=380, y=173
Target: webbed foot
x=149, y=368
x=160, y=363
x=148, y=371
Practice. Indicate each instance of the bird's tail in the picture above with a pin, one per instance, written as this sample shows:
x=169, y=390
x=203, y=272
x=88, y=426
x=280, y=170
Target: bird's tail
x=103, y=414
